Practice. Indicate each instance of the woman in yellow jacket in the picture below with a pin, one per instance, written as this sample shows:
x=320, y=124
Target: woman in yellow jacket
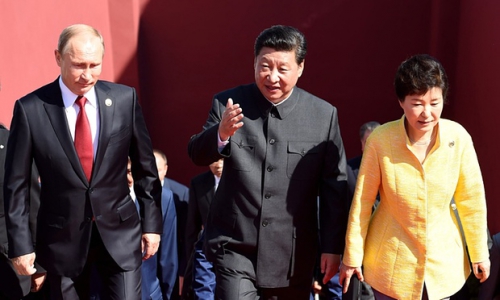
x=411, y=247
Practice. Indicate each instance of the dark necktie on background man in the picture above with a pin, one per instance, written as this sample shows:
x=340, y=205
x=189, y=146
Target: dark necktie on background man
x=83, y=138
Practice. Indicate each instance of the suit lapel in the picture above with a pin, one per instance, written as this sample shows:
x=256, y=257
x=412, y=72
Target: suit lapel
x=106, y=112
x=54, y=107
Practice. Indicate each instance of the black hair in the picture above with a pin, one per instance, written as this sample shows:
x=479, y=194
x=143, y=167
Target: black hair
x=282, y=38
x=418, y=74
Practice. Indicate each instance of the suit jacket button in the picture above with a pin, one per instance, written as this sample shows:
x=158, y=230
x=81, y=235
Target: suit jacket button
x=265, y=223
x=272, y=141
x=270, y=168
x=267, y=196
x=88, y=219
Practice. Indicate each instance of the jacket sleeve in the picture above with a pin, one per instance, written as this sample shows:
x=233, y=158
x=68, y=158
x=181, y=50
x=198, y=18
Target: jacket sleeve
x=147, y=186
x=367, y=187
x=471, y=204
x=18, y=165
x=333, y=193
x=203, y=147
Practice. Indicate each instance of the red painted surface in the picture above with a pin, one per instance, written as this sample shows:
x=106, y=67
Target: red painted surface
x=179, y=53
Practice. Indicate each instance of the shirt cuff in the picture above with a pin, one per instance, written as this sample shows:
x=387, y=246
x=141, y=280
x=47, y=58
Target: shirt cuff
x=221, y=144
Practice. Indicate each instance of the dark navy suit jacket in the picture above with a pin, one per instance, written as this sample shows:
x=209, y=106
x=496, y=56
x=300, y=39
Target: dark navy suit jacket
x=181, y=199
x=159, y=273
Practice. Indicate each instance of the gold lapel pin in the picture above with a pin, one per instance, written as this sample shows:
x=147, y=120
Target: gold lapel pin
x=108, y=102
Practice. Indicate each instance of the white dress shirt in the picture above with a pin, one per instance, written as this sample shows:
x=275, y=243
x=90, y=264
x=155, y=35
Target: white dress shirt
x=217, y=179
x=72, y=109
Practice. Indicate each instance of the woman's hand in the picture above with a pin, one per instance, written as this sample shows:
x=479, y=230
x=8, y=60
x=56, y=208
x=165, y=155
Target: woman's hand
x=481, y=270
x=346, y=273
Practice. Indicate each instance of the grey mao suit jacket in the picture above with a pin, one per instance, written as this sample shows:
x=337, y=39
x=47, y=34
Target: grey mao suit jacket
x=275, y=166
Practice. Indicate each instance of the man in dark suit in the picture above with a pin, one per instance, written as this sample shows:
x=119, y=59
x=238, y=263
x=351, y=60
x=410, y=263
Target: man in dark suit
x=80, y=148
x=13, y=285
x=281, y=148
x=159, y=273
x=201, y=193
x=181, y=199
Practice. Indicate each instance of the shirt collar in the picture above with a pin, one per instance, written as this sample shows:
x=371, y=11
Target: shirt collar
x=69, y=97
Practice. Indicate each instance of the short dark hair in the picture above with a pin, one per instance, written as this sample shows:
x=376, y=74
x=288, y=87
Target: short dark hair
x=418, y=74
x=282, y=38
x=368, y=126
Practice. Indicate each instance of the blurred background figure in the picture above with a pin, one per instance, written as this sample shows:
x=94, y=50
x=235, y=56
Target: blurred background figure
x=181, y=200
x=354, y=163
x=163, y=268
x=201, y=193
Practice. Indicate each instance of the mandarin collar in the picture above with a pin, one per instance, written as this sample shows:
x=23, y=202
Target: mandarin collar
x=282, y=110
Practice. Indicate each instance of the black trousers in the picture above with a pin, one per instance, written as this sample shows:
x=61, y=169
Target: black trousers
x=240, y=283
x=101, y=278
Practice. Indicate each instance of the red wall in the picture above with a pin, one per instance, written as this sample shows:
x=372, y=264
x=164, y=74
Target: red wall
x=179, y=53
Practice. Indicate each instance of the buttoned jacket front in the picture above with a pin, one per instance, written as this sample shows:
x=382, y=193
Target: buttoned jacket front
x=69, y=203
x=275, y=167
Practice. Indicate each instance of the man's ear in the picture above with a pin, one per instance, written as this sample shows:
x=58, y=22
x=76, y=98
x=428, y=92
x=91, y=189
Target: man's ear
x=58, y=57
x=301, y=67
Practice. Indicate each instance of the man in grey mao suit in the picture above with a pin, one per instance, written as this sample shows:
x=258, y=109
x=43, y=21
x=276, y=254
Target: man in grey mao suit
x=282, y=148
x=84, y=219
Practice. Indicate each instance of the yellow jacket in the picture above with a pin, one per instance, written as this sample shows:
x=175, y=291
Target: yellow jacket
x=413, y=236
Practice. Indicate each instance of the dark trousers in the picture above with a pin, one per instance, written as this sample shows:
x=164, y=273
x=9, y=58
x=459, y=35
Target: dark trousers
x=101, y=278
x=203, y=273
x=240, y=284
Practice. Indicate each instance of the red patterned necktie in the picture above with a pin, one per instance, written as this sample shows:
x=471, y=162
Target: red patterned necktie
x=83, y=138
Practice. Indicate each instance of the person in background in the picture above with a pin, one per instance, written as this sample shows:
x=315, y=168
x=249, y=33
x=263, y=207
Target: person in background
x=159, y=273
x=354, y=163
x=282, y=148
x=181, y=200
x=411, y=247
x=79, y=131
x=13, y=285
x=201, y=193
